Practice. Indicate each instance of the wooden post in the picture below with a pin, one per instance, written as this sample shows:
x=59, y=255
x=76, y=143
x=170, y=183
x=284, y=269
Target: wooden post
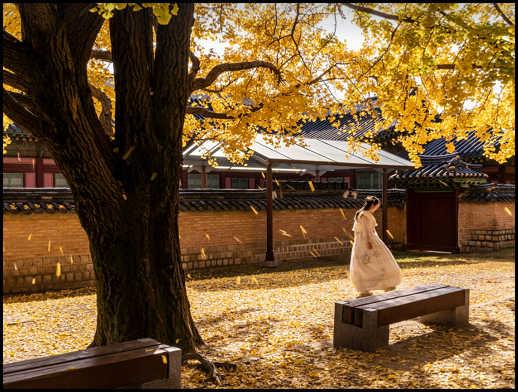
x=203, y=178
x=39, y=172
x=384, y=197
x=270, y=258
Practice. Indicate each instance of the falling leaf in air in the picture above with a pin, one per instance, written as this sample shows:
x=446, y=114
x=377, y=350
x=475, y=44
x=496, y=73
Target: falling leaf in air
x=30, y=235
x=341, y=243
x=19, y=157
x=33, y=280
x=33, y=164
x=203, y=255
x=49, y=246
x=177, y=341
x=208, y=237
x=442, y=182
x=304, y=232
x=153, y=176
x=259, y=187
x=164, y=359
x=15, y=266
x=290, y=187
x=262, y=173
x=254, y=210
x=316, y=251
x=127, y=154
x=343, y=214
x=58, y=269
x=238, y=240
x=390, y=234
x=71, y=260
x=352, y=242
x=189, y=276
x=311, y=186
x=71, y=368
x=61, y=250
x=509, y=212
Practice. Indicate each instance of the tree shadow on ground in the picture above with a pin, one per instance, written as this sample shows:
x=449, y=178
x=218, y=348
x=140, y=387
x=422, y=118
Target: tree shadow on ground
x=405, y=259
x=324, y=269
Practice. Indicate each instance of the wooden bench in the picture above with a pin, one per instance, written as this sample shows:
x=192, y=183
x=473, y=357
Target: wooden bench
x=143, y=364
x=363, y=323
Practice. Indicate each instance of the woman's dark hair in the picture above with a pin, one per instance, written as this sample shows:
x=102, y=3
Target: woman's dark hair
x=369, y=201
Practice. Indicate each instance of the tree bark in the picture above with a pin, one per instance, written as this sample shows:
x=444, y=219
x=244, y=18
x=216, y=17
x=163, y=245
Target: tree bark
x=131, y=221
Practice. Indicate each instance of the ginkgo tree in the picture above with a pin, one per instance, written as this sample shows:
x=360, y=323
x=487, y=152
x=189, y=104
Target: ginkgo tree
x=115, y=90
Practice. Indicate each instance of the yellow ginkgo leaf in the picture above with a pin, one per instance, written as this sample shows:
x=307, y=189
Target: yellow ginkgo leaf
x=153, y=176
x=311, y=186
x=61, y=249
x=303, y=230
x=33, y=280
x=58, y=269
x=343, y=214
x=238, y=240
x=177, y=341
x=255, y=280
x=390, y=234
x=49, y=246
x=71, y=260
x=164, y=359
x=341, y=243
x=254, y=210
x=30, y=235
x=71, y=368
x=15, y=266
x=238, y=280
x=208, y=237
x=203, y=256
x=508, y=211
x=189, y=276
x=262, y=173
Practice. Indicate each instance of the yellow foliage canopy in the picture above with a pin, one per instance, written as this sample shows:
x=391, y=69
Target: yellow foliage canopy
x=281, y=68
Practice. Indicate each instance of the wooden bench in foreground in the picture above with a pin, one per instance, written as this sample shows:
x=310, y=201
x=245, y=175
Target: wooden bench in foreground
x=142, y=363
x=363, y=323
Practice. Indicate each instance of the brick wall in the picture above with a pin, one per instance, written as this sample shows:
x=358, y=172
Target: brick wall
x=234, y=237
x=486, y=226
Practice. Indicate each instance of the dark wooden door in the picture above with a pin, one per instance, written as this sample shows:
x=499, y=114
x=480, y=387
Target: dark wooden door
x=436, y=223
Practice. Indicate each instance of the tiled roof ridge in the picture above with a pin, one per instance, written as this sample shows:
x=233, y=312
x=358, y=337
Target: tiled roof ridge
x=40, y=200
x=443, y=166
x=489, y=193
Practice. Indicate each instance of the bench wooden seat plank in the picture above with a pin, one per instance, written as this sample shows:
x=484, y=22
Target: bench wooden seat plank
x=35, y=363
x=412, y=306
x=349, y=306
x=129, y=364
x=363, y=323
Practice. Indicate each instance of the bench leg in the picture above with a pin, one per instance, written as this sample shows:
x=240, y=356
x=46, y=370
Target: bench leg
x=453, y=317
x=369, y=338
x=174, y=359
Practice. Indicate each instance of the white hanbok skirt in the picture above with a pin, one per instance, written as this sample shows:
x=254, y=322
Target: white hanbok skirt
x=373, y=269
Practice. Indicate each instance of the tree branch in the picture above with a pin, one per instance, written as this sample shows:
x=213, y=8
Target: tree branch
x=103, y=55
x=207, y=113
x=105, y=118
x=21, y=116
x=17, y=57
x=195, y=65
x=211, y=77
x=504, y=17
x=378, y=13
x=15, y=81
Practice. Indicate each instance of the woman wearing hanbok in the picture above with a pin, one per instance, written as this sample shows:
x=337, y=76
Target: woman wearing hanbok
x=373, y=266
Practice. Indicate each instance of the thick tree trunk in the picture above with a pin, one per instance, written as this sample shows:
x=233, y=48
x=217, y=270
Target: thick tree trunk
x=126, y=191
x=140, y=281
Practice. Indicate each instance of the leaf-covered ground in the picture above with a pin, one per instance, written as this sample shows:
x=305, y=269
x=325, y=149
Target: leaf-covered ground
x=277, y=325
